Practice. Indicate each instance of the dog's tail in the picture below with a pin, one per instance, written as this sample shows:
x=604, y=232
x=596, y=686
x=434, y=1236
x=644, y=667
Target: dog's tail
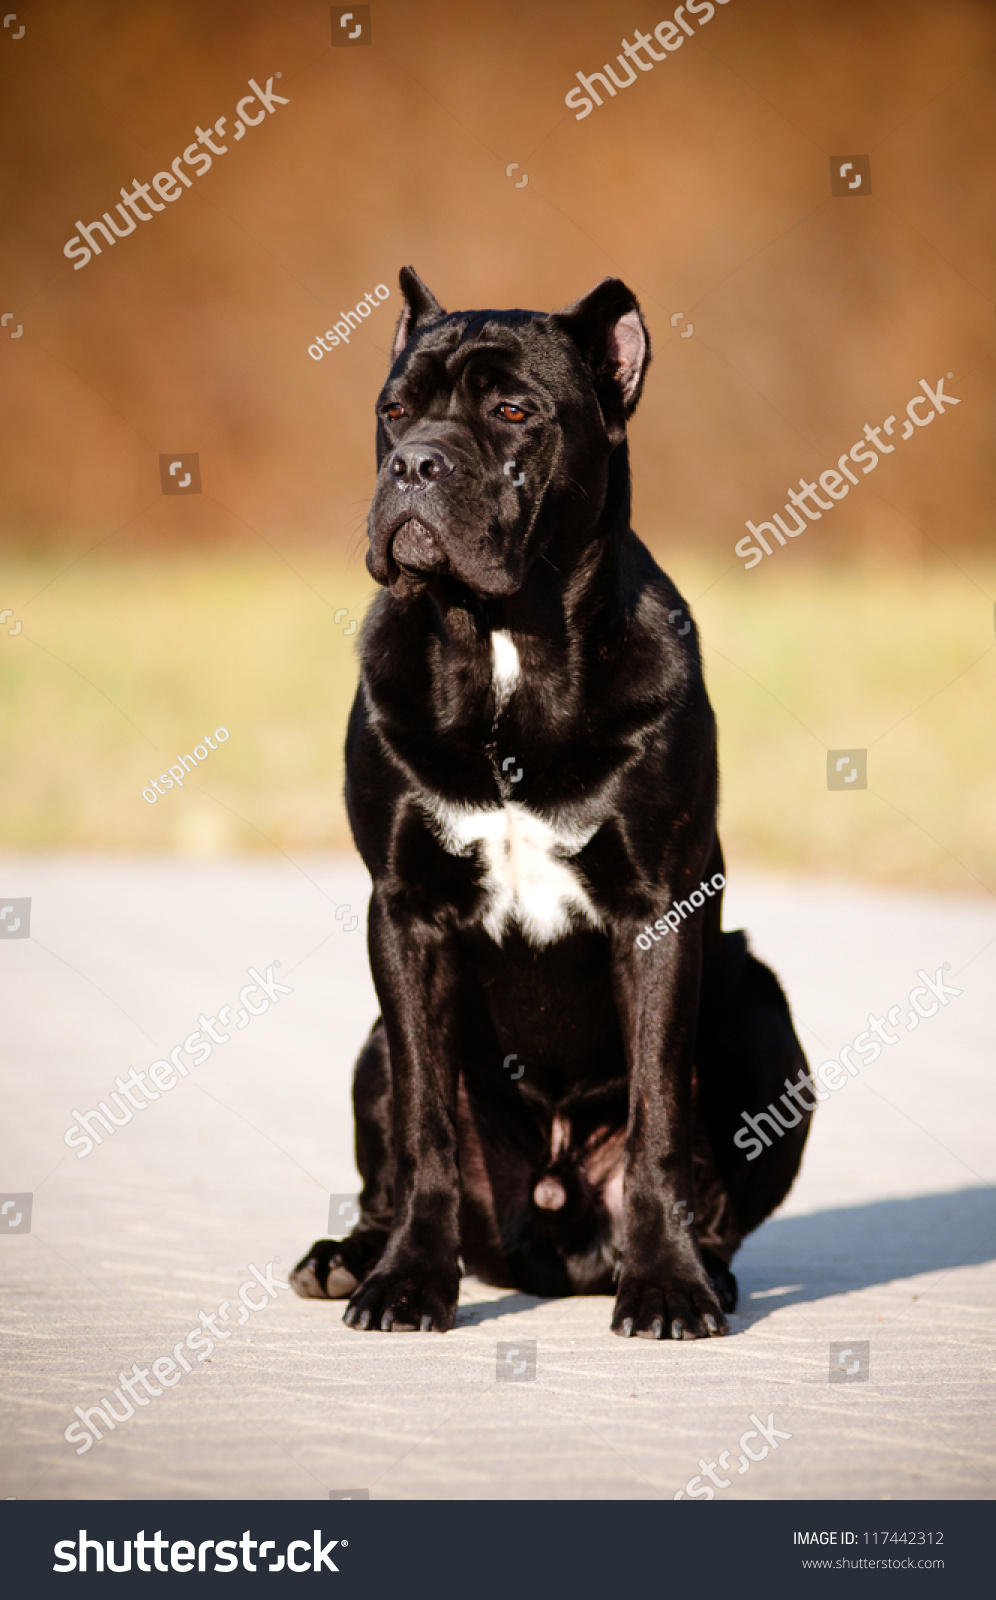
x=748, y=1059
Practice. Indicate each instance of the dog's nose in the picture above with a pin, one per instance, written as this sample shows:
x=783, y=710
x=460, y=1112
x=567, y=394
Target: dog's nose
x=416, y=466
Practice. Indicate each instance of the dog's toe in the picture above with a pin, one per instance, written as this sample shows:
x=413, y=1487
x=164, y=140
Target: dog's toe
x=674, y=1310
x=321, y=1274
x=404, y=1303
x=340, y=1283
x=304, y=1280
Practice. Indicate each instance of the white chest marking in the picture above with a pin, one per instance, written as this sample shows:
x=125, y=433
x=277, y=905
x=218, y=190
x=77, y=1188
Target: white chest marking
x=505, y=666
x=528, y=877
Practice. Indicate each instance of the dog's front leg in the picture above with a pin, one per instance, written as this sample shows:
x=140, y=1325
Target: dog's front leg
x=664, y=1290
x=416, y=1281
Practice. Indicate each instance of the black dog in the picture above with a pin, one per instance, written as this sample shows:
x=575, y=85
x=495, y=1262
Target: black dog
x=531, y=779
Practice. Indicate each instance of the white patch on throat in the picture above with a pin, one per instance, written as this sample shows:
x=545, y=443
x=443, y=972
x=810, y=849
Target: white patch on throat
x=528, y=878
x=505, y=666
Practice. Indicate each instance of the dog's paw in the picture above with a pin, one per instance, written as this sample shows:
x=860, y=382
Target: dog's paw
x=722, y=1280
x=675, y=1308
x=402, y=1301
x=322, y=1274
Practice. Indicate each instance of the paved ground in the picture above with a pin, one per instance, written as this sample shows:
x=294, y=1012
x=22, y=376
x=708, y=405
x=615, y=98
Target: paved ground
x=889, y=1236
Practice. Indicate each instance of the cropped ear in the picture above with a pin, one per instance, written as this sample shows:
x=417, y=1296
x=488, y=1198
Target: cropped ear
x=421, y=306
x=608, y=328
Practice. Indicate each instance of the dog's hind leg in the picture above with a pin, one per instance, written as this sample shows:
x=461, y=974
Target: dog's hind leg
x=333, y=1268
x=748, y=1058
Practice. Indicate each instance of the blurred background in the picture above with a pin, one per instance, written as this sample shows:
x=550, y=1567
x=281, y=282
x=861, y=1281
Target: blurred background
x=149, y=619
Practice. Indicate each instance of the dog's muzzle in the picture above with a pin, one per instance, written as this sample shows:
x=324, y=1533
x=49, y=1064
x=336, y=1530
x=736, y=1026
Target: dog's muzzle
x=415, y=548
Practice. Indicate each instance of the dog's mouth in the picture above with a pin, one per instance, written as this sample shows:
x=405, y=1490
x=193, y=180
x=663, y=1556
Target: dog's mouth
x=409, y=555
x=413, y=556
x=415, y=548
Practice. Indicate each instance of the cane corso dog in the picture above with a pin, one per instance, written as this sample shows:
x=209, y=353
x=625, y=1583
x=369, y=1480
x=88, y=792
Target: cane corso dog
x=551, y=1097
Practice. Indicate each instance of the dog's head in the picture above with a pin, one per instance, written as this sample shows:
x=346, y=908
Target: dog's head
x=494, y=431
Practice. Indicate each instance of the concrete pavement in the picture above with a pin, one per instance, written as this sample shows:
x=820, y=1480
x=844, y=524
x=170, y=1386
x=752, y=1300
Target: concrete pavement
x=888, y=1237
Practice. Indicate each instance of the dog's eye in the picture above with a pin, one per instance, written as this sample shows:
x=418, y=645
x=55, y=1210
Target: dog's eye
x=393, y=411
x=510, y=412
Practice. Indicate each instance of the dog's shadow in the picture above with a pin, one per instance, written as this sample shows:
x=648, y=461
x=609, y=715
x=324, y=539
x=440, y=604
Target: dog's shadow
x=478, y=1311
x=792, y=1260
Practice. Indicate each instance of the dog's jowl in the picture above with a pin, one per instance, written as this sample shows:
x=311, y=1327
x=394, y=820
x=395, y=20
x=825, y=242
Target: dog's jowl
x=531, y=777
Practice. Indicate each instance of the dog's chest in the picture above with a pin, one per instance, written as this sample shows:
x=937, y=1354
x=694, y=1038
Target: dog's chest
x=527, y=873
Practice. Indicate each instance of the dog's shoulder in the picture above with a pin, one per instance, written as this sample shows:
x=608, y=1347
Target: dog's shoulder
x=659, y=642
x=645, y=587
